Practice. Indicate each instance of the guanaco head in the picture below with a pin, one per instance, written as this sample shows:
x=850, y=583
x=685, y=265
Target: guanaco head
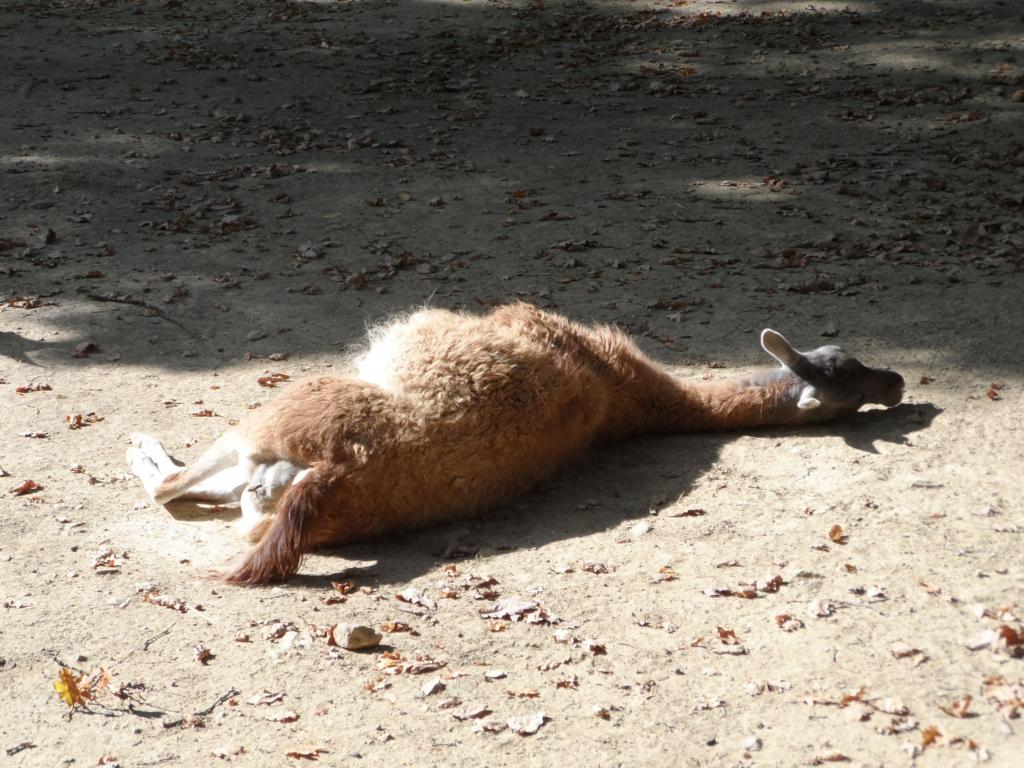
x=831, y=381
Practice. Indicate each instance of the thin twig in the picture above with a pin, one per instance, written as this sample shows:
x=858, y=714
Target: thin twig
x=157, y=636
x=217, y=703
x=855, y=604
x=126, y=299
x=60, y=663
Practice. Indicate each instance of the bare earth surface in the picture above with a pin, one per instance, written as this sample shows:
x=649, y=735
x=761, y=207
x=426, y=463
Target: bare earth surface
x=197, y=195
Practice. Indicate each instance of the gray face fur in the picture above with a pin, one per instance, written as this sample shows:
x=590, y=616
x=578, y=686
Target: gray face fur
x=834, y=380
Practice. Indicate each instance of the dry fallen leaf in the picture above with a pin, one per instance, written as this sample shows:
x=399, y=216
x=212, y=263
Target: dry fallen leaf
x=282, y=716
x=107, y=561
x=471, y=712
x=488, y=726
x=522, y=693
x=901, y=650
x=343, y=587
x=76, y=689
x=29, y=486
x=225, y=753
x=306, y=753
x=897, y=725
x=1005, y=695
x=688, y=513
x=265, y=698
x=665, y=573
x=835, y=757
x=514, y=609
x=33, y=388
x=1002, y=640
x=836, y=534
x=77, y=421
x=959, y=707
x=709, y=704
x=527, y=725
x=930, y=735
x=891, y=706
x=787, y=623
x=728, y=636
x=85, y=349
x=876, y=594
x=272, y=380
x=757, y=687
x=747, y=593
x=394, y=663
x=432, y=686
x=846, y=700
x=377, y=685
x=414, y=596
x=166, y=601
x=68, y=686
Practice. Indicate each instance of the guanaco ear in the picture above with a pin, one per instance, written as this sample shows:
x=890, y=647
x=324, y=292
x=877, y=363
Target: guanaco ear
x=809, y=399
x=775, y=344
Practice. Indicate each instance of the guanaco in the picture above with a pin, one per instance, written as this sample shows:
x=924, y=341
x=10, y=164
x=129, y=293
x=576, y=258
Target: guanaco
x=449, y=413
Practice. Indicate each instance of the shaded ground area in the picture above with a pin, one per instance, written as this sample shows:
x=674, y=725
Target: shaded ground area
x=195, y=196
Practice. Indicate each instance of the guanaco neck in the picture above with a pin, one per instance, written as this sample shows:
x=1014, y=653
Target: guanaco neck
x=668, y=404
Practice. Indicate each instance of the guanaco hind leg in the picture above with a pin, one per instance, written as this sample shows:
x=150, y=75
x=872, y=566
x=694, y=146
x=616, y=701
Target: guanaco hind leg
x=150, y=462
x=218, y=476
x=222, y=475
x=259, y=499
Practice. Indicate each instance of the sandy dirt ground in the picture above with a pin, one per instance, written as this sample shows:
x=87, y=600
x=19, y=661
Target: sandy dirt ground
x=197, y=195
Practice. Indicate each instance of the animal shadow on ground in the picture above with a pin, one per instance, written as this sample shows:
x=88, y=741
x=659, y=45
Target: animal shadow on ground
x=613, y=484
x=16, y=347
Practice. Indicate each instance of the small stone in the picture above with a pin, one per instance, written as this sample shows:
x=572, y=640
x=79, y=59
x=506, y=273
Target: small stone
x=355, y=637
x=640, y=529
x=432, y=686
x=753, y=744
